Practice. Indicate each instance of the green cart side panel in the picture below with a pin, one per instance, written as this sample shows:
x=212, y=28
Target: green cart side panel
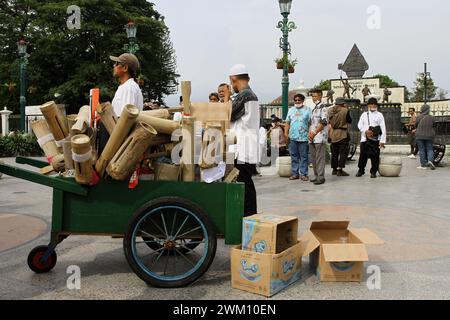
x=32, y=162
x=109, y=206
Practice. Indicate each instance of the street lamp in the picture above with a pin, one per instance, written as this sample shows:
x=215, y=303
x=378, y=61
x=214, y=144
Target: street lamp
x=426, y=76
x=131, y=30
x=286, y=26
x=22, y=48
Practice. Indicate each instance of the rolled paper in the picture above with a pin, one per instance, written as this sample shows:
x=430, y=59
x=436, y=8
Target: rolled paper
x=161, y=125
x=124, y=162
x=82, y=157
x=56, y=120
x=45, y=138
x=121, y=130
x=187, y=159
x=108, y=116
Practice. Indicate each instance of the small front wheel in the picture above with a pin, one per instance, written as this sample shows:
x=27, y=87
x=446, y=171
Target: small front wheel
x=36, y=260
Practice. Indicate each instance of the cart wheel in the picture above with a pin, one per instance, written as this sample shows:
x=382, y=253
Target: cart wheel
x=34, y=260
x=189, y=245
x=156, y=236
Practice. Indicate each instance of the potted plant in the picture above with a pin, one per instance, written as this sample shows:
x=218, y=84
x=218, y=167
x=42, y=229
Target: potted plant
x=291, y=65
x=280, y=63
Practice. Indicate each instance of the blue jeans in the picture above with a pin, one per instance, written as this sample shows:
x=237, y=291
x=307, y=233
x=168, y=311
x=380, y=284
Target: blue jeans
x=425, y=151
x=299, y=158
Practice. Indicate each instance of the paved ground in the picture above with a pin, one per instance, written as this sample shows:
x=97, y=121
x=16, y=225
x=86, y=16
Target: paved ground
x=411, y=213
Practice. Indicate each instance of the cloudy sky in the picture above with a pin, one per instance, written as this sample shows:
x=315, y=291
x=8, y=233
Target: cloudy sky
x=210, y=36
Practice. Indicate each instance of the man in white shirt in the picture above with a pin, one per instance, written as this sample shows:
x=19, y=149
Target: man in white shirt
x=126, y=69
x=245, y=121
x=373, y=137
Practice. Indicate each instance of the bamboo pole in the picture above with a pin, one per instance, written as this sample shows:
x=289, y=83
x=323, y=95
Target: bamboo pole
x=82, y=156
x=160, y=113
x=161, y=125
x=67, y=146
x=46, y=139
x=121, y=130
x=127, y=157
x=56, y=120
x=187, y=159
x=108, y=116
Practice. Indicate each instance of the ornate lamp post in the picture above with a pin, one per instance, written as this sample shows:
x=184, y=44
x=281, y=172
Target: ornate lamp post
x=22, y=48
x=132, y=46
x=286, y=26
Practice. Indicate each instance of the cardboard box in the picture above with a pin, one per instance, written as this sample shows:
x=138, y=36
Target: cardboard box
x=265, y=274
x=264, y=233
x=337, y=253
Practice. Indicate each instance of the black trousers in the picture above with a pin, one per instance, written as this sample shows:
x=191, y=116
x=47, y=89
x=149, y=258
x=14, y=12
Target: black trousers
x=372, y=153
x=339, y=153
x=245, y=176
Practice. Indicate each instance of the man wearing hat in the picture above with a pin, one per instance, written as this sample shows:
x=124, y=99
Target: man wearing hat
x=245, y=120
x=373, y=137
x=340, y=121
x=126, y=69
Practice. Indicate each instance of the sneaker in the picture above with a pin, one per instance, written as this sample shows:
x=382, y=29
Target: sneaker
x=319, y=182
x=342, y=173
x=422, y=168
x=360, y=174
x=335, y=172
x=373, y=176
x=411, y=156
x=313, y=180
x=431, y=165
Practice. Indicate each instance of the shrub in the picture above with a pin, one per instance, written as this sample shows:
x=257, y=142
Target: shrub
x=19, y=144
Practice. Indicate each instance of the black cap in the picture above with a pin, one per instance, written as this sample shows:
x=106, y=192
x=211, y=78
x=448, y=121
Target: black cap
x=373, y=101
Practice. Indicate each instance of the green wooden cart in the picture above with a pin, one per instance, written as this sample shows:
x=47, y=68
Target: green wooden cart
x=169, y=229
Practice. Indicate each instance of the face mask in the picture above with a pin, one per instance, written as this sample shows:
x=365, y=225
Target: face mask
x=298, y=105
x=373, y=110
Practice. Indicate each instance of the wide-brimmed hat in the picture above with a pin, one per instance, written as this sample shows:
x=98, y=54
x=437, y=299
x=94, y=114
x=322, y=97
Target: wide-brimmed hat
x=339, y=101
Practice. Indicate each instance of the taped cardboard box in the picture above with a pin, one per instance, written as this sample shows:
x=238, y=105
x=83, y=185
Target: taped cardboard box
x=265, y=233
x=265, y=274
x=337, y=253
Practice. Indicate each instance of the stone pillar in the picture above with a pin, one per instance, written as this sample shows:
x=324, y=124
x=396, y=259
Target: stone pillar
x=5, y=121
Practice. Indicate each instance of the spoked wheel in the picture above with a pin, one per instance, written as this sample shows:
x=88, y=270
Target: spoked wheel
x=36, y=262
x=439, y=153
x=352, y=151
x=170, y=243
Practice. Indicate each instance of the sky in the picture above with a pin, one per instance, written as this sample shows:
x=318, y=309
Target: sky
x=396, y=38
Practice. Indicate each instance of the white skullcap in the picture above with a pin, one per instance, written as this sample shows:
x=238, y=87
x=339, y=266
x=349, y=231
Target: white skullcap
x=238, y=70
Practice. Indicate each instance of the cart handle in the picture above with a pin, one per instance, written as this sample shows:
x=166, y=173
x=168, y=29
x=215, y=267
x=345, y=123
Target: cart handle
x=63, y=184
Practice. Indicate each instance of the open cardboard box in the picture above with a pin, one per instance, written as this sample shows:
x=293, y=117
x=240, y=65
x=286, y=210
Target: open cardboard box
x=266, y=233
x=337, y=253
x=265, y=274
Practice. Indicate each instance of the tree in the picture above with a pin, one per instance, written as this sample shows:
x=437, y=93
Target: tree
x=419, y=89
x=324, y=85
x=71, y=62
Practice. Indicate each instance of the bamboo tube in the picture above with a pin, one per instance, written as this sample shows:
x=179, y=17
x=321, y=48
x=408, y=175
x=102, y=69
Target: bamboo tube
x=176, y=109
x=188, y=132
x=109, y=117
x=67, y=147
x=161, y=125
x=56, y=120
x=45, y=139
x=81, y=153
x=121, y=130
x=58, y=163
x=125, y=160
x=160, y=113
x=82, y=120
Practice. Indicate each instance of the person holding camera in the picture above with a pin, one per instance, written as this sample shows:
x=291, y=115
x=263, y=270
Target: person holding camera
x=373, y=137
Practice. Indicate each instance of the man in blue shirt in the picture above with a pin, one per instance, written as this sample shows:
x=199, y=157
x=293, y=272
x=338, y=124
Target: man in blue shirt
x=296, y=130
